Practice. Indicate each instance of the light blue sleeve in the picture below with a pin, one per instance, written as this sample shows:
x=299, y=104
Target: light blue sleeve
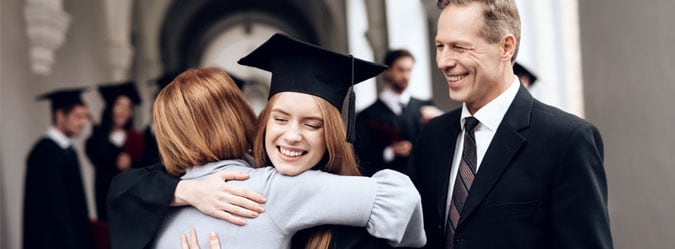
x=387, y=204
x=397, y=211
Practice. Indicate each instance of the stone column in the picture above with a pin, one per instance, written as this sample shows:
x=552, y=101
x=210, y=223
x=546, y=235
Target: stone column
x=118, y=24
x=46, y=26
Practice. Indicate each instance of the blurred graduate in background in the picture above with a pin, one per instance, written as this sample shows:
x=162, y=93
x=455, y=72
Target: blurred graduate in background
x=55, y=207
x=114, y=146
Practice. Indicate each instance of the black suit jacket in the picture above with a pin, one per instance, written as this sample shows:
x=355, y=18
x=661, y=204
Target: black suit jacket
x=378, y=127
x=541, y=183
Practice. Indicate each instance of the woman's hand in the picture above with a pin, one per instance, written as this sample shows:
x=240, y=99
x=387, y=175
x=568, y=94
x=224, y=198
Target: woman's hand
x=214, y=242
x=123, y=161
x=215, y=197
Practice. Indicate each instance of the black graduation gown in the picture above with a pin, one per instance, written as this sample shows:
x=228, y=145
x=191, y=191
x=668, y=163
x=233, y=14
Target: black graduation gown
x=140, y=198
x=378, y=126
x=55, y=207
x=151, y=151
x=103, y=155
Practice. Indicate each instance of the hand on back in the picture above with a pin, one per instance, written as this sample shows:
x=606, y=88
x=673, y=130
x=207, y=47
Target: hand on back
x=215, y=197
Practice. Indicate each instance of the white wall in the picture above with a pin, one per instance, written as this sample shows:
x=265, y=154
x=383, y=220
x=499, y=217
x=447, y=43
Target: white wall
x=357, y=26
x=549, y=47
x=629, y=83
x=407, y=28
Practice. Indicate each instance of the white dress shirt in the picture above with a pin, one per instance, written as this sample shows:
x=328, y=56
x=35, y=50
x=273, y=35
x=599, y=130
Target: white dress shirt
x=59, y=138
x=490, y=117
x=118, y=138
x=393, y=101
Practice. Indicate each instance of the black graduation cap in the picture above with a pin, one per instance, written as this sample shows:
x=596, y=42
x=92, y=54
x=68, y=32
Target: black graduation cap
x=111, y=92
x=519, y=69
x=63, y=98
x=298, y=66
x=239, y=82
x=166, y=78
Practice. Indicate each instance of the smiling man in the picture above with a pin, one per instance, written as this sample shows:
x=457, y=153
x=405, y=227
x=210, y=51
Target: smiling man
x=504, y=170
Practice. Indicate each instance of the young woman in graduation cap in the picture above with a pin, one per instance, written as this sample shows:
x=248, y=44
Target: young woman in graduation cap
x=114, y=145
x=300, y=133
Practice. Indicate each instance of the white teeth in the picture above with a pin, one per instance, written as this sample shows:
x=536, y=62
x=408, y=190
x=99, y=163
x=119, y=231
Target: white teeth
x=456, y=77
x=290, y=153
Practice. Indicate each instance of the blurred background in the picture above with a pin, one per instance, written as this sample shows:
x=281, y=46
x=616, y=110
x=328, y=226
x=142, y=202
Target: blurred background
x=610, y=62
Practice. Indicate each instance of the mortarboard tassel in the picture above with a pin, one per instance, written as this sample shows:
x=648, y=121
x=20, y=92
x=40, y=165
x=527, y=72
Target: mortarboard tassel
x=350, y=112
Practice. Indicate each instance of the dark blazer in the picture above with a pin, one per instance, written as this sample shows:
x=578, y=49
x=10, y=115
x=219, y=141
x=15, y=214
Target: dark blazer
x=541, y=183
x=378, y=127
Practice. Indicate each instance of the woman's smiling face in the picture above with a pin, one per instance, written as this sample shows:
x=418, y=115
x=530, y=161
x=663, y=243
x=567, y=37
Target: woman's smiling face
x=294, y=136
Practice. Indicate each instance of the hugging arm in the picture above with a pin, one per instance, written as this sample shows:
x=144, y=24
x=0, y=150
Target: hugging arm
x=139, y=199
x=386, y=204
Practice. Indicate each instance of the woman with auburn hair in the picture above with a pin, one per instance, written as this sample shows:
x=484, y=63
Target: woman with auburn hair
x=300, y=134
x=202, y=117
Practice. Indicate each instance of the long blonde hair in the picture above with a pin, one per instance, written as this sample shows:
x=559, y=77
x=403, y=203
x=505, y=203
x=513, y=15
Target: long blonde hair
x=339, y=158
x=200, y=117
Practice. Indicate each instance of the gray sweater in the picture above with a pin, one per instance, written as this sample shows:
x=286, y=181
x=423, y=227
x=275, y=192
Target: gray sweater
x=387, y=204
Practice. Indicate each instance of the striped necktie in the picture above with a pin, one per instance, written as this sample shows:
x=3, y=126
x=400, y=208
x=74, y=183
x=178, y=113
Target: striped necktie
x=465, y=176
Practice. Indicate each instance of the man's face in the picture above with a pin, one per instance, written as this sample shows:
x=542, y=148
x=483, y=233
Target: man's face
x=398, y=75
x=472, y=67
x=73, y=122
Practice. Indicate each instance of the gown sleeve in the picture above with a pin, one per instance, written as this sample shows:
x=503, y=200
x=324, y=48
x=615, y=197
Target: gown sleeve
x=387, y=204
x=137, y=204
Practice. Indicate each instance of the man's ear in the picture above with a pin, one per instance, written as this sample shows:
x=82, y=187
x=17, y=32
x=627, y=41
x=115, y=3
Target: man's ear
x=508, y=45
x=386, y=75
x=59, y=117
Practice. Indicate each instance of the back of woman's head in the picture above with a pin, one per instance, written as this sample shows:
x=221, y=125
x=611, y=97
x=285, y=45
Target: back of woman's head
x=339, y=158
x=200, y=117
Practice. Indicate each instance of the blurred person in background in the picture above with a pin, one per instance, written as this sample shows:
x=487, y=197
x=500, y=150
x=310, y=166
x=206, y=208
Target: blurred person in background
x=526, y=77
x=386, y=129
x=114, y=146
x=55, y=208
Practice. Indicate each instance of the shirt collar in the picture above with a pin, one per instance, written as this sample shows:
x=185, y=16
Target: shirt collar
x=59, y=138
x=491, y=115
x=392, y=99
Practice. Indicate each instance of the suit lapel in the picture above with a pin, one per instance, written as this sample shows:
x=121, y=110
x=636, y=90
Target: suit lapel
x=503, y=148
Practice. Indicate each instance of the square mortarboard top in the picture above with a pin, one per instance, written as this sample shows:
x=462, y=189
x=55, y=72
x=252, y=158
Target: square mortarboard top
x=63, y=98
x=297, y=66
x=519, y=69
x=111, y=92
x=167, y=77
